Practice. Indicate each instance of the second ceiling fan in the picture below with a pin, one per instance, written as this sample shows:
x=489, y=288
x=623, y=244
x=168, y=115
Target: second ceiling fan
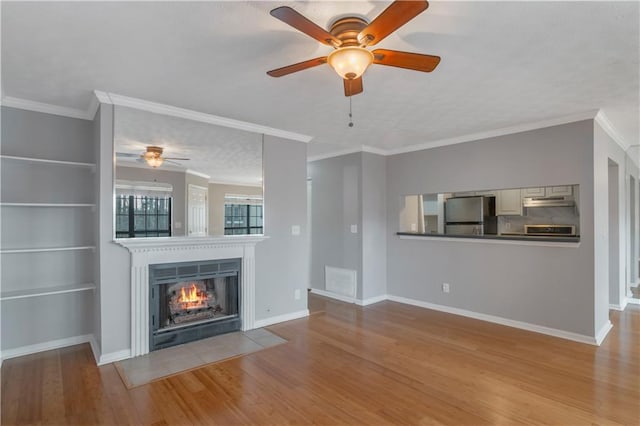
x=350, y=36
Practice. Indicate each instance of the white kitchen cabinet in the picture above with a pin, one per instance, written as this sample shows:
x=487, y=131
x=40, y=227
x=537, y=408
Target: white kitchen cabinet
x=487, y=193
x=557, y=191
x=509, y=202
x=533, y=192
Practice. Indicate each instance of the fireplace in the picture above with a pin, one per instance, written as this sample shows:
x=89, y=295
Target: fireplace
x=157, y=251
x=193, y=300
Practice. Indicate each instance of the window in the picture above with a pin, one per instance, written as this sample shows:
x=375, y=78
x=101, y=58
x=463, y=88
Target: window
x=143, y=216
x=242, y=219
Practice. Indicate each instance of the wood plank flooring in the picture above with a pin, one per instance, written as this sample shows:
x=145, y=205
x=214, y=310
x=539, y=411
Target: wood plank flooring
x=383, y=364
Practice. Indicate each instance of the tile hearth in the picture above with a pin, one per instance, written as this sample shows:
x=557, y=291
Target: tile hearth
x=166, y=362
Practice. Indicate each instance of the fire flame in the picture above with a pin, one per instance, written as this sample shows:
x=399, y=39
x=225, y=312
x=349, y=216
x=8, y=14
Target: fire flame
x=191, y=298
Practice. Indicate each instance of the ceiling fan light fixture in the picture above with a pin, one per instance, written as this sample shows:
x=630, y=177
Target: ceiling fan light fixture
x=350, y=62
x=153, y=159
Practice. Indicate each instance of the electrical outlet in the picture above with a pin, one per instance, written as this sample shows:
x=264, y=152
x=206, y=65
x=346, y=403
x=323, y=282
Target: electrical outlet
x=295, y=230
x=354, y=229
x=296, y=294
x=414, y=227
x=445, y=287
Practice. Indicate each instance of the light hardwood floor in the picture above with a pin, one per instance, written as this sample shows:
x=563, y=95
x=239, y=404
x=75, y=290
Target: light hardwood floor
x=383, y=364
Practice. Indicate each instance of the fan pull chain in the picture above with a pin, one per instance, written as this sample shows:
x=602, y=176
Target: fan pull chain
x=350, y=115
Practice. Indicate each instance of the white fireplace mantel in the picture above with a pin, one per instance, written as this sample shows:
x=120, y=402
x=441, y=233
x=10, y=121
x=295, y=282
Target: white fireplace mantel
x=158, y=250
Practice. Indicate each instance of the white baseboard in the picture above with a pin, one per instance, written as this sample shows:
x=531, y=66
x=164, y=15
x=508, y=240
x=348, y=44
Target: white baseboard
x=372, y=300
x=280, y=318
x=616, y=307
x=360, y=302
x=602, y=334
x=46, y=346
x=114, y=356
x=95, y=348
x=633, y=301
x=499, y=320
x=333, y=295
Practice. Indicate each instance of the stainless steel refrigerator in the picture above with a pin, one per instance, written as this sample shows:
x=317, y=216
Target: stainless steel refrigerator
x=470, y=216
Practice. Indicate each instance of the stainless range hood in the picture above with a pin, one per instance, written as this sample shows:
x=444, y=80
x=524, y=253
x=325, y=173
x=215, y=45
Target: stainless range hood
x=566, y=201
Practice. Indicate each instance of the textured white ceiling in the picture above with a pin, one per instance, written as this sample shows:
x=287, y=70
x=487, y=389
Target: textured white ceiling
x=503, y=64
x=225, y=155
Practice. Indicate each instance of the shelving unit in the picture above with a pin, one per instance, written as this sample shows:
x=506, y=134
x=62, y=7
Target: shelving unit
x=45, y=249
x=48, y=236
x=45, y=161
x=46, y=291
x=47, y=205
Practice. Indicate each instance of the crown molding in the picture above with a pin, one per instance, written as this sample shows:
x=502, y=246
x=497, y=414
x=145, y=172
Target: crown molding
x=46, y=108
x=334, y=154
x=373, y=150
x=587, y=115
x=194, y=173
x=232, y=183
x=141, y=104
x=610, y=129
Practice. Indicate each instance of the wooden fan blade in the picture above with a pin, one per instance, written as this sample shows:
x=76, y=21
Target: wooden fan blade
x=125, y=154
x=353, y=87
x=176, y=158
x=408, y=60
x=393, y=17
x=300, y=23
x=297, y=67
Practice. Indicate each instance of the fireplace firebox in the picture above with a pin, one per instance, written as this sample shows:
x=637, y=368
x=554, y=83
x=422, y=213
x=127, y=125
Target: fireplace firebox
x=193, y=300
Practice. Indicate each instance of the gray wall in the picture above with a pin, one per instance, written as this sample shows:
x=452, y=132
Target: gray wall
x=114, y=283
x=282, y=260
x=217, y=192
x=350, y=190
x=175, y=179
x=548, y=286
x=336, y=205
x=374, y=225
x=615, y=280
x=42, y=319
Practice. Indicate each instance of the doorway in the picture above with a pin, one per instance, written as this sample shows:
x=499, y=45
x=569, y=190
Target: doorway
x=197, y=217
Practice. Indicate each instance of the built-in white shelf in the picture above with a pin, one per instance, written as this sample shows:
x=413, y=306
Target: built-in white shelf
x=50, y=249
x=36, y=292
x=45, y=161
x=47, y=205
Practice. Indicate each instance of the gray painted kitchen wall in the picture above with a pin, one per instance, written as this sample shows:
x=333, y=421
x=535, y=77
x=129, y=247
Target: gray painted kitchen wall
x=374, y=225
x=336, y=205
x=282, y=261
x=548, y=286
x=43, y=319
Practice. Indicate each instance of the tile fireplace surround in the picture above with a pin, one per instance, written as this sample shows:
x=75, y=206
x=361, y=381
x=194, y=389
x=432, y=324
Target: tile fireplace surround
x=150, y=251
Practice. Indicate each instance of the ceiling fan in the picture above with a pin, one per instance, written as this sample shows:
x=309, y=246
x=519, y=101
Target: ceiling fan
x=152, y=156
x=350, y=36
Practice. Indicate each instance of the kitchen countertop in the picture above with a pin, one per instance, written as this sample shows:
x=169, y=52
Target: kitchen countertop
x=502, y=237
